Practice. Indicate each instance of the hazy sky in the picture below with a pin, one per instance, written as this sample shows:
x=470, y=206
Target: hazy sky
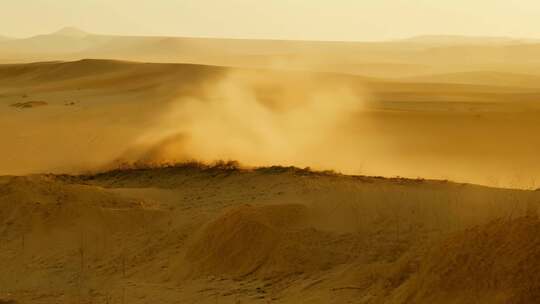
x=291, y=19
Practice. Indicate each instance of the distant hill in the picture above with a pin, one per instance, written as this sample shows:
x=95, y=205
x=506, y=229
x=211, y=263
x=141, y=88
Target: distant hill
x=417, y=56
x=58, y=45
x=71, y=32
x=456, y=39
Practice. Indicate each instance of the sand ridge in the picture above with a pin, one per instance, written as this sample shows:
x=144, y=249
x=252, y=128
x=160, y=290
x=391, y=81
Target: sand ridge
x=273, y=234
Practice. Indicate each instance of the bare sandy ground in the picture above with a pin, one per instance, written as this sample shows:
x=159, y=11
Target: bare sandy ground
x=197, y=234
x=100, y=112
x=264, y=234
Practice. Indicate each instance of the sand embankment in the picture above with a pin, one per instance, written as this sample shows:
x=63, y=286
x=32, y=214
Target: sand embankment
x=284, y=235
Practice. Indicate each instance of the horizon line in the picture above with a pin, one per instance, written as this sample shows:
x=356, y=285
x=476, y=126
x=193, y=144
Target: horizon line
x=400, y=39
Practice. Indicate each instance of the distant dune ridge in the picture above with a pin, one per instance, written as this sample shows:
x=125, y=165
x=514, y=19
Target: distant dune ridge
x=423, y=55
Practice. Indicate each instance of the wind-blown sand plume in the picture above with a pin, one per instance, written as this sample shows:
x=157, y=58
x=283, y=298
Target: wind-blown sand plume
x=157, y=169
x=262, y=117
x=167, y=113
x=153, y=227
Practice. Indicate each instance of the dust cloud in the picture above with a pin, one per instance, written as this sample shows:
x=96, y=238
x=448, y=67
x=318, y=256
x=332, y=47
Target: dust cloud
x=284, y=119
x=155, y=114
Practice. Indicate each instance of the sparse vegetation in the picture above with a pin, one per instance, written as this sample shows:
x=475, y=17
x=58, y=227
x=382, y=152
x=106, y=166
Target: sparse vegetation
x=29, y=104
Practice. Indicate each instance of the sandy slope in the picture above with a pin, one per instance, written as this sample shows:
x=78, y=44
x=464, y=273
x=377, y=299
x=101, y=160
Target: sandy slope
x=482, y=78
x=199, y=234
x=99, y=111
x=280, y=235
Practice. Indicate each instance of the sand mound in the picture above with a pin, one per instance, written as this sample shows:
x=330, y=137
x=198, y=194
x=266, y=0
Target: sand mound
x=44, y=190
x=240, y=241
x=41, y=202
x=494, y=263
x=264, y=240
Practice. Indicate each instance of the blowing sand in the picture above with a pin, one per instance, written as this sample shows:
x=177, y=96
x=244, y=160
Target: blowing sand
x=101, y=201
x=167, y=113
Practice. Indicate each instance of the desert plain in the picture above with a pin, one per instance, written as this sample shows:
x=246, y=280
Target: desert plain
x=198, y=170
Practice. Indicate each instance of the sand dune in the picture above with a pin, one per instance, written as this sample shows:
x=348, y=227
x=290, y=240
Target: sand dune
x=284, y=235
x=105, y=198
x=428, y=55
x=173, y=112
x=482, y=78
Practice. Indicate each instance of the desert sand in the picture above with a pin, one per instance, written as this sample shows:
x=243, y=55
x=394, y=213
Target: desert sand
x=391, y=172
x=103, y=112
x=199, y=234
